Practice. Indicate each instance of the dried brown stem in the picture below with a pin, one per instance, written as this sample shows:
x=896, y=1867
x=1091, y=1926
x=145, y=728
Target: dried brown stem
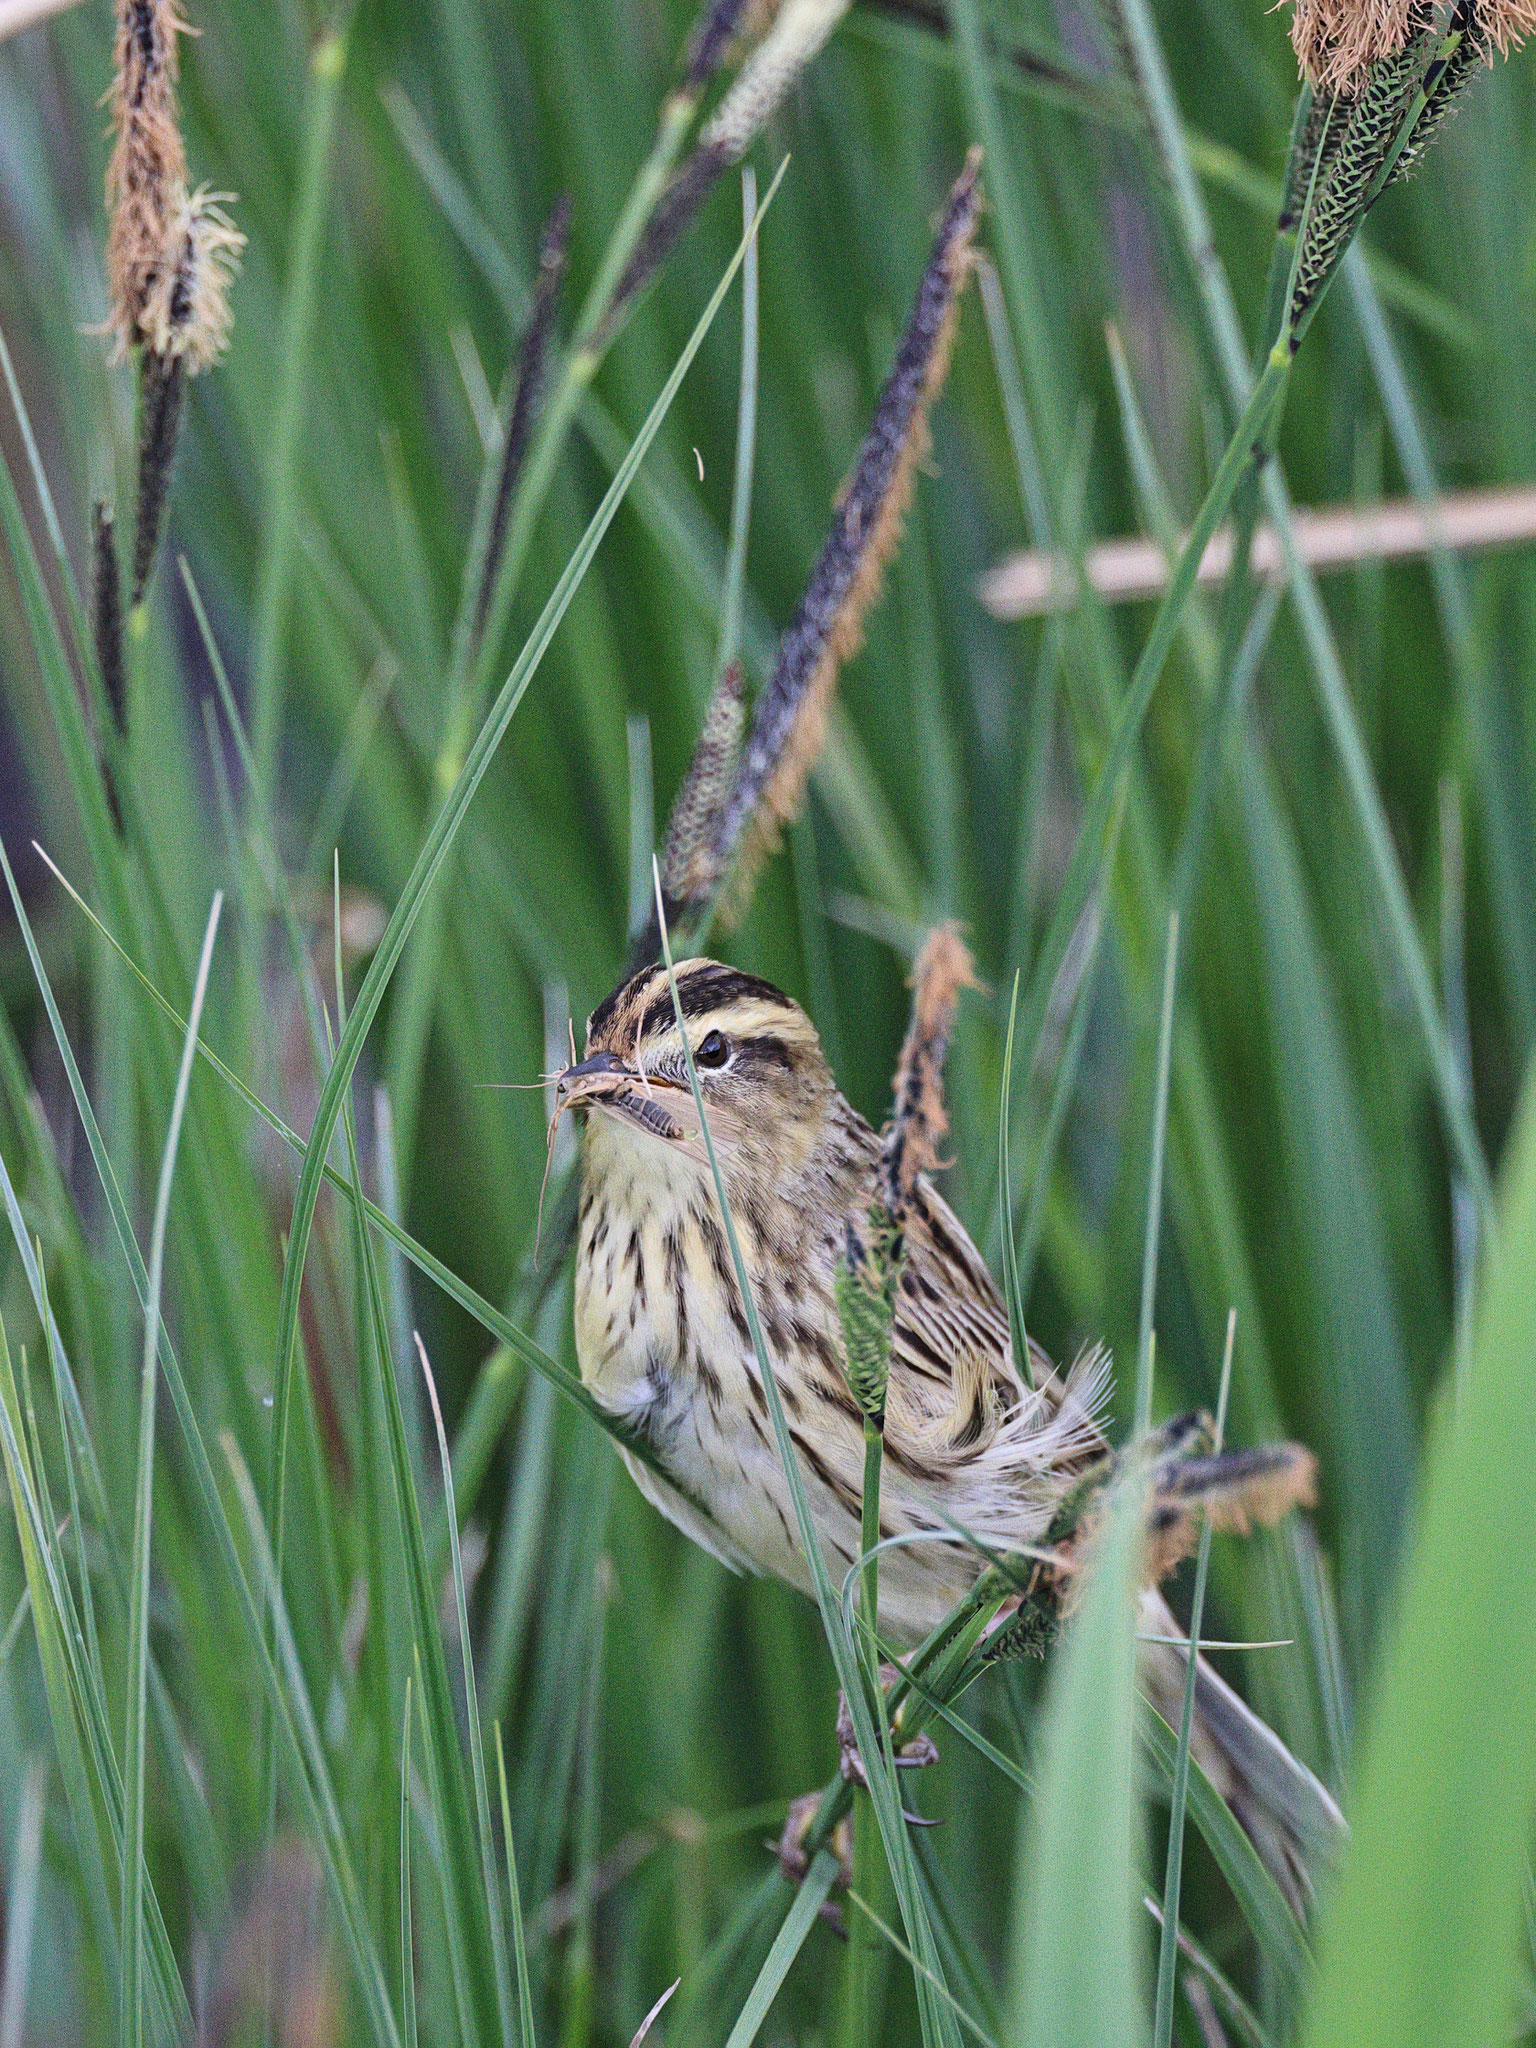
x=1030, y=583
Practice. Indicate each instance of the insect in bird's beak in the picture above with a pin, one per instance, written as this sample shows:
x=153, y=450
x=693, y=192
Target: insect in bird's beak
x=607, y=1083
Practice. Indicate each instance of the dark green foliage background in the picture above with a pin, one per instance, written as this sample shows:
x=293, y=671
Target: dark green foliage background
x=1308, y=1181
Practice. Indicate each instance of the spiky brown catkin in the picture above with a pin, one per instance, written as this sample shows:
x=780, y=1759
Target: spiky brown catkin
x=191, y=319
x=147, y=171
x=107, y=613
x=163, y=384
x=1369, y=135
x=1504, y=24
x=720, y=24
x=1235, y=1489
x=688, y=872
x=910, y=1143
x=533, y=359
x=1486, y=26
x=828, y=627
x=170, y=251
x=793, y=32
x=1327, y=118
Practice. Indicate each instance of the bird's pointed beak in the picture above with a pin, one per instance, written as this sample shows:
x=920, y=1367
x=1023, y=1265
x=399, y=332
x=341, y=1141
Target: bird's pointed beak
x=603, y=1074
x=605, y=1082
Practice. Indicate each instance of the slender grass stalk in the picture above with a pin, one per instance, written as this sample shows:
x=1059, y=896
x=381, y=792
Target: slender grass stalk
x=874, y=1747
x=275, y=561
x=295, y=1717
x=21, y=1917
x=1143, y=1410
x=810, y=1896
x=1167, y=1958
x=472, y=1715
x=1099, y=833
x=407, y=1936
x=131, y=1990
x=492, y=1319
x=1018, y=1334
x=527, y=2036
x=734, y=588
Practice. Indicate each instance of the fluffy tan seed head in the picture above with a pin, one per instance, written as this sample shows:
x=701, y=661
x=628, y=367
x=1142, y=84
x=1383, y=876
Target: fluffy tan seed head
x=171, y=252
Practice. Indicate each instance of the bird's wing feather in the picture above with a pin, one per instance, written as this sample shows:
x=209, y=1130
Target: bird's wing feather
x=951, y=1352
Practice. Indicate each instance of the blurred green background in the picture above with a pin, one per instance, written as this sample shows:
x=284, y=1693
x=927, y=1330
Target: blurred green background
x=658, y=1713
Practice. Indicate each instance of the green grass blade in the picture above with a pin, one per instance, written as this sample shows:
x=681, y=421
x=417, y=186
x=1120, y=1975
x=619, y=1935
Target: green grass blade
x=528, y=2037
x=1281, y=1939
x=407, y=1944
x=874, y=1744
x=294, y=393
x=1167, y=1958
x=1012, y=1292
x=472, y=1715
x=733, y=594
x=1074, y=1967
x=787, y=1944
x=295, y=1718
x=1418, y=1942
x=131, y=1992
x=1143, y=1409
x=21, y=1904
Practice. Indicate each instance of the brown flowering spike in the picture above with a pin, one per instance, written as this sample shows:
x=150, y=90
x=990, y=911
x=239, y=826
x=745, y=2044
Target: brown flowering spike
x=533, y=360
x=192, y=319
x=720, y=24
x=1235, y=1489
x=689, y=875
x=910, y=1144
x=791, y=713
x=1337, y=41
x=162, y=387
x=107, y=613
x=796, y=31
x=147, y=172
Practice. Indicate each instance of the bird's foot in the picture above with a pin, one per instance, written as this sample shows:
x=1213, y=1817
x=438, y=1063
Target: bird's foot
x=794, y=1859
x=913, y=1755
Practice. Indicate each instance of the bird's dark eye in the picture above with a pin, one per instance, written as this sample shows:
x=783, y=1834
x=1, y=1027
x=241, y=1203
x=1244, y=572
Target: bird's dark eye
x=714, y=1050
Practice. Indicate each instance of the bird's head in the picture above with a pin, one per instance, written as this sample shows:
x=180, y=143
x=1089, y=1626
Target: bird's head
x=765, y=1084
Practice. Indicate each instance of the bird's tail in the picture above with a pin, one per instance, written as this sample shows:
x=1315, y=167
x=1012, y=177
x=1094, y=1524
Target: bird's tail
x=1288, y=1814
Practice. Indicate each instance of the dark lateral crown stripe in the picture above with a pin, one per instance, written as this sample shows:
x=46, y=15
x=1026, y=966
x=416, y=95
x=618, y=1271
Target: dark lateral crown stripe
x=701, y=987
x=706, y=989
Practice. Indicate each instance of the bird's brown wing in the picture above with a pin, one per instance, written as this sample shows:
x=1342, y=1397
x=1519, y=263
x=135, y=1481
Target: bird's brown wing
x=952, y=1363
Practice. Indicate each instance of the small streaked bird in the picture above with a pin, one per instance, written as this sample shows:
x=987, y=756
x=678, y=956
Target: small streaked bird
x=969, y=1441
